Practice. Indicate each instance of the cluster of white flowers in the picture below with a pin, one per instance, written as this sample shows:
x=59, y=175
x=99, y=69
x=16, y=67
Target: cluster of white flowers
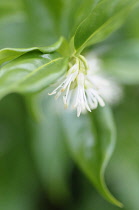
x=84, y=87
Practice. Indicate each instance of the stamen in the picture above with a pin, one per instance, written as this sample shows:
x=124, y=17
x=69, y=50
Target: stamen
x=82, y=90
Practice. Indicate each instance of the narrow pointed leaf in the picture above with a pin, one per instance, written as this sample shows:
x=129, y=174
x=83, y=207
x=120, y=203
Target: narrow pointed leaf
x=74, y=12
x=8, y=54
x=91, y=142
x=31, y=72
x=105, y=18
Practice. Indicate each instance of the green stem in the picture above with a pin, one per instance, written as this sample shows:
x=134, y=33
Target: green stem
x=82, y=58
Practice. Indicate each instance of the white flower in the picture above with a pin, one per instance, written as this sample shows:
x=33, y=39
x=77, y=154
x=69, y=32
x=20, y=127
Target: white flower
x=82, y=87
x=108, y=89
x=65, y=85
x=81, y=102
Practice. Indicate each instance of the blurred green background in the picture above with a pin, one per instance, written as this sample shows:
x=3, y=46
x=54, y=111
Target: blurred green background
x=36, y=171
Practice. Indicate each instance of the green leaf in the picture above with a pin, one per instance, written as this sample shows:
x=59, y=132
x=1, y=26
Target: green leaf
x=31, y=72
x=105, y=18
x=122, y=61
x=74, y=12
x=18, y=178
x=41, y=28
x=26, y=23
x=131, y=29
x=125, y=172
x=91, y=142
x=55, y=7
x=49, y=149
x=10, y=9
x=8, y=54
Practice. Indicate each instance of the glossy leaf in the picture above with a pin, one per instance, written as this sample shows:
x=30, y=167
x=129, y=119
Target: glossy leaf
x=31, y=72
x=91, y=142
x=73, y=13
x=105, y=18
x=8, y=54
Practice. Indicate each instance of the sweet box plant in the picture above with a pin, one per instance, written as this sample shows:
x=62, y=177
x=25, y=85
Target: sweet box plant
x=44, y=51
